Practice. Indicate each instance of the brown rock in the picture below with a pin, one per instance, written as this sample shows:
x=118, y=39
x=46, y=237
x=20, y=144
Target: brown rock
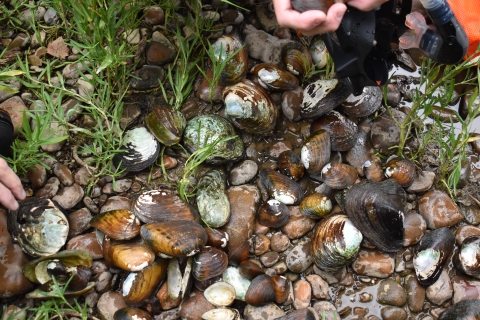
x=374, y=263
x=319, y=286
x=116, y=203
x=109, y=303
x=392, y=293
x=194, y=306
x=63, y=174
x=154, y=15
x=439, y=210
x=79, y=221
x=441, y=290
x=159, y=53
x=414, y=228
x=415, y=293
x=68, y=197
x=465, y=288
x=86, y=242
x=422, y=182
x=50, y=189
x=393, y=313
x=298, y=225
x=166, y=302
x=15, y=108
x=37, y=176
x=279, y=242
x=302, y=291
x=261, y=244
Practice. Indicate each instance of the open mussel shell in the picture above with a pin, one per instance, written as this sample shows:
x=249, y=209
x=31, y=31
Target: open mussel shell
x=462, y=310
x=212, y=200
x=77, y=276
x=131, y=256
x=249, y=107
x=365, y=104
x=296, y=58
x=316, y=151
x=39, y=227
x=139, y=285
x=335, y=243
x=211, y=129
x=273, y=214
x=402, y=170
x=323, y=96
x=279, y=187
x=316, y=206
x=432, y=254
x=178, y=284
x=141, y=150
x=45, y=291
x=222, y=314
x=468, y=257
x=166, y=124
x=117, y=224
x=376, y=209
x=174, y=238
x=343, y=131
x=208, y=263
x=290, y=164
x=162, y=205
x=319, y=52
x=235, y=68
x=272, y=77
x=131, y=314
x=261, y=291
x=220, y=294
x=338, y=175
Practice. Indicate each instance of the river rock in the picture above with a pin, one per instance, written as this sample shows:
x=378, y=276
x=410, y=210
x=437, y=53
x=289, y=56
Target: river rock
x=15, y=108
x=415, y=293
x=298, y=225
x=326, y=308
x=267, y=312
x=63, y=173
x=154, y=15
x=391, y=292
x=441, y=290
x=471, y=212
x=56, y=130
x=244, y=202
x=279, y=242
x=465, y=288
x=374, y=263
x=37, y=175
x=423, y=181
x=464, y=232
x=302, y=292
x=299, y=258
x=86, y=242
x=439, y=210
x=79, y=222
x=161, y=51
x=68, y=197
x=193, y=306
x=116, y=203
x=263, y=46
x=393, y=313
x=414, y=228
x=319, y=286
x=147, y=77
x=243, y=172
x=109, y=303
x=50, y=189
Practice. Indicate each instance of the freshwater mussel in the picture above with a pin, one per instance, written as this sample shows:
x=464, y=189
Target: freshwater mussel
x=315, y=152
x=467, y=258
x=166, y=124
x=278, y=186
x=338, y=175
x=296, y=58
x=272, y=77
x=323, y=96
x=343, y=131
x=236, y=67
x=141, y=150
x=291, y=165
x=117, y=224
x=209, y=263
x=212, y=201
x=273, y=214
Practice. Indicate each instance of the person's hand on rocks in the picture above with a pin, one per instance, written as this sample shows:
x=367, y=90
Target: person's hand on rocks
x=314, y=22
x=11, y=188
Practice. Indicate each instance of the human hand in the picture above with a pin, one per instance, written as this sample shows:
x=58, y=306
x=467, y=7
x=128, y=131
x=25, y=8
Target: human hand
x=11, y=188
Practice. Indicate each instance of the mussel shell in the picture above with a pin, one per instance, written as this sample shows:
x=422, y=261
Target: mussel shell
x=335, y=243
x=343, y=131
x=316, y=206
x=323, y=96
x=222, y=314
x=316, y=151
x=217, y=238
x=385, y=132
x=240, y=283
x=212, y=201
x=250, y=269
x=162, y=205
x=238, y=253
x=139, y=285
x=39, y=226
x=376, y=209
x=319, y=52
x=273, y=214
x=432, y=254
x=249, y=107
x=205, y=130
x=174, y=238
x=131, y=314
x=279, y=187
x=282, y=287
x=236, y=68
x=296, y=58
x=220, y=294
x=261, y=291
x=166, y=124
x=373, y=170
x=209, y=263
x=365, y=104
x=131, y=256
x=117, y=224
x=468, y=257
x=338, y=175
x=272, y=77
x=290, y=164
x=462, y=310
x=363, y=150
x=142, y=150
x=402, y=170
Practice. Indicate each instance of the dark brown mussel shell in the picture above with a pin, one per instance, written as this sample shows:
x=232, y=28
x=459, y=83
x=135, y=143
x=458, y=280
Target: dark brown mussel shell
x=432, y=254
x=238, y=253
x=343, y=131
x=338, y=175
x=363, y=150
x=131, y=256
x=316, y=151
x=376, y=209
x=282, y=287
x=273, y=214
x=174, y=238
x=209, y=263
x=217, y=238
x=290, y=164
x=236, y=68
x=140, y=285
x=272, y=77
x=162, y=205
x=131, y=314
x=250, y=269
x=316, y=206
x=462, y=310
x=335, y=243
x=402, y=170
x=365, y=104
x=467, y=258
x=261, y=291
x=117, y=224
x=166, y=124
x=278, y=186
x=323, y=96
x=466, y=106
x=296, y=58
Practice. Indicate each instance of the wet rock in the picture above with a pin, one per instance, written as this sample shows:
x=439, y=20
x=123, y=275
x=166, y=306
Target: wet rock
x=244, y=202
x=15, y=108
x=122, y=185
x=415, y=293
x=37, y=176
x=173, y=314
x=423, y=181
x=393, y=313
x=109, y=303
x=68, y=197
x=243, y=172
x=464, y=232
x=261, y=244
x=319, y=286
x=327, y=309
x=279, y=242
x=90, y=204
x=63, y=174
x=208, y=91
x=298, y=225
x=263, y=46
x=365, y=297
x=50, y=189
x=116, y=203
x=465, y=288
x=154, y=15
x=439, y=210
x=166, y=302
x=79, y=221
x=385, y=131
x=267, y=312
x=160, y=51
x=147, y=77
x=280, y=268
x=329, y=277
x=268, y=259
x=374, y=263
x=302, y=291
x=86, y=242
x=414, y=228
x=279, y=147
x=299, y=258
x=441, y=290
x=391, y=292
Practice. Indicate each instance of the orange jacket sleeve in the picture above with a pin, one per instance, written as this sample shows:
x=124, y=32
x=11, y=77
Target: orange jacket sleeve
x=467, y=13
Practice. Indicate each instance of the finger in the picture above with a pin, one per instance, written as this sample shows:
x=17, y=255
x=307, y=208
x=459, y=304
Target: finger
x=10, y=180
x=332, y=20
x=366, y=5
x=7, y=199
x=302, y=21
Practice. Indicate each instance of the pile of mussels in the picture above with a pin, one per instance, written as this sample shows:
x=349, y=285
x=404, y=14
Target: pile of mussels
x=203, y=259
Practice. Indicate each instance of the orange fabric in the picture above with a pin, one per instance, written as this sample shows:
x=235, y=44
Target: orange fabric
x=468, y=14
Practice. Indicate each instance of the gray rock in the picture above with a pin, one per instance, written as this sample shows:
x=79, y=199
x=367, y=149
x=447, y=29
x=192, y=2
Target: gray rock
x=268, y=312
x=51, y=17
x=147, y=77
x=243, y=172
x=441, y=290
x=299, y=258
x=79, y=222
x=122, y=185
x=56, y=130
x=116, y=203
x=68, y=197
x=393, y=313
x=415, y=293
x=263, y=46
x=14, y=85
x=326, y=308
x=109, y=303
x=392, y=293
x=464, y=288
